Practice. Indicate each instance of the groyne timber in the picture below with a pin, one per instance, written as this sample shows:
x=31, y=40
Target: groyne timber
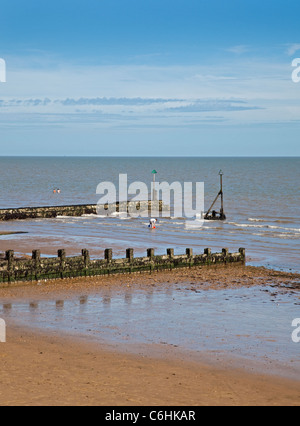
x=38, y=268
x=80, y=210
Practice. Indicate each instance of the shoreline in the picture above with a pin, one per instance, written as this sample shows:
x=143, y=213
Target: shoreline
x=232, y=276
x=60, y=369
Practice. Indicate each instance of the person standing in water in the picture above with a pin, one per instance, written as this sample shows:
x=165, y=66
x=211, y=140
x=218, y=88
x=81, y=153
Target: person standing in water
x=152, y=223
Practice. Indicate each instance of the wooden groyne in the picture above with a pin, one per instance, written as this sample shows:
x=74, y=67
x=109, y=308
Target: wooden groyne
x=78, y=210
x=38, y=268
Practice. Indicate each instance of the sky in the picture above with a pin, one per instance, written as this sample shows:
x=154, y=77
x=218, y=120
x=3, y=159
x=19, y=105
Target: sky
x=149, y=77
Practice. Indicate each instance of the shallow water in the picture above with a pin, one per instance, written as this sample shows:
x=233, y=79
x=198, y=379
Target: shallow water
x=261, y=198
x=253, y=323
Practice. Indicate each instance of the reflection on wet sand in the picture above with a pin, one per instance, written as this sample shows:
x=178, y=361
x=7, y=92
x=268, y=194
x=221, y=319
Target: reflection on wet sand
x=33, y=306
x=252, y=322
x=83, y=300
x=106, y=299
x=59, y=304
x=7, y=306
x=128, y=297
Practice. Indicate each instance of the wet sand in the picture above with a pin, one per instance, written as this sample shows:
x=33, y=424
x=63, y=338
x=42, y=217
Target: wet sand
x=50, y=369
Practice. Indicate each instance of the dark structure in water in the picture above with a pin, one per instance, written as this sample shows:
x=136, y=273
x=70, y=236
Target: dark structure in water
x=213, y=214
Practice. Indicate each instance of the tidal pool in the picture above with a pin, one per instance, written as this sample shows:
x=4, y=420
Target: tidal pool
x=253, y=323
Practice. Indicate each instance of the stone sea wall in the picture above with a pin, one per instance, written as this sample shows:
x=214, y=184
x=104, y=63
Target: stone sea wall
x=79, y=210
x=38, y=268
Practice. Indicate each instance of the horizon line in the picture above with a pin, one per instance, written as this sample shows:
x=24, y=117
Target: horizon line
x=147, y=156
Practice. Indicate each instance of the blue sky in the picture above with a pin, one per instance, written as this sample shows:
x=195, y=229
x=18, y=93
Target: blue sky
x=149, y=77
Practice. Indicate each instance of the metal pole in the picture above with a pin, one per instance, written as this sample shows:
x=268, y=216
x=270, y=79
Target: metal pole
x=154, y=191
x=222, y=215
x=221, y=191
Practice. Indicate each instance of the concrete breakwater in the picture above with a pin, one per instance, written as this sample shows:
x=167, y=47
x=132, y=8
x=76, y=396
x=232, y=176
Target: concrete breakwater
x=82, y=209
x=37, y=268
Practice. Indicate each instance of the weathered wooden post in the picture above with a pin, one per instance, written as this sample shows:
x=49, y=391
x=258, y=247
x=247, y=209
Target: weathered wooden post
x=108, y=255
x=189, y=252
x=130, y=257
x=207, y=252
x=170, y=252
x=130, y=254
x=9, y=256
x=62, y=256
x=86, y=260
x=225, y=253
x=150, y=254
x=36, y=261
x=242, y=252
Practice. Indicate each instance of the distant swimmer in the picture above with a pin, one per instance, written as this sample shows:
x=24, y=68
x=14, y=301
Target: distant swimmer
x=58, y=190
x=152, y=223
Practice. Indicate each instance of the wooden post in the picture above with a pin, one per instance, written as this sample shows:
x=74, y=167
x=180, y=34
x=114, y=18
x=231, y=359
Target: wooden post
x=207, y=252
x=36, y=260
x=129, y=254
x=170, y=252
x=108, y=255
x=189, y=252
x=150, y=253
x=62, y=255
x=86, y=258
x=242, y=252
x=9, y=255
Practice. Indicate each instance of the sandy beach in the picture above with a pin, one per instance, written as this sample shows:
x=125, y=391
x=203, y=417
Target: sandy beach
x=41, y=368
x=49, y=370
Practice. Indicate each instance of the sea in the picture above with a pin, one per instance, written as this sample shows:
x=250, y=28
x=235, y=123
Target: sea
x=261, y=203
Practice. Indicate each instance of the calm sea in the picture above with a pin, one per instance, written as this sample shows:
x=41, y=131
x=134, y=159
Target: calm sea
x=261, y=199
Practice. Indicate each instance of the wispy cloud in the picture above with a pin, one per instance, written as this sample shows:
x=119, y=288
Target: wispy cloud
x=240, y=91
x=293, y=48
x=156, y=104
x=214, y=105
x=114, y=101
x=239, y=49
